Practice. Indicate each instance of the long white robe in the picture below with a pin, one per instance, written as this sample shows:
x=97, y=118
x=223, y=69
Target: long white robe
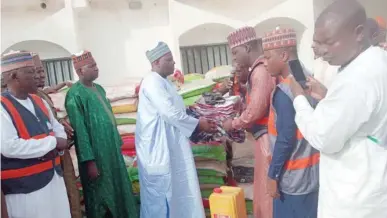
x=50, y=201
x=324, y=72
x=167, y=173
x=344, y=127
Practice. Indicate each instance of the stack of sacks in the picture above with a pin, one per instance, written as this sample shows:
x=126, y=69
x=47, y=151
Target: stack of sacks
x=123, y=99
x=192, y=91
x=128, y=148
x=58, y=99
x=211, y=166
x=192, y=77
x=125, y=113
x=242, y=165
x=218, y=74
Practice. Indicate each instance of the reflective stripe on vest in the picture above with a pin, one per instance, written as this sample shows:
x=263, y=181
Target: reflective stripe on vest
x=24, y=134
x=19, y=123
x=29, y=171
x=300, y=173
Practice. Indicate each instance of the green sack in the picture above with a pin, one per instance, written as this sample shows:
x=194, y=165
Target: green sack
x=125, y=121
x=211, y=180
x=133, y=173
x=197, y=92
x=207, y=172
x=209, y=152
x=206, y=193
x=193, y=76
x=249, y=206
x=191, y=100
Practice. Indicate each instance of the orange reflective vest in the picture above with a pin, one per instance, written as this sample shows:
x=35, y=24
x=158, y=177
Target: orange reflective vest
x=301, y=172
x=27, y=175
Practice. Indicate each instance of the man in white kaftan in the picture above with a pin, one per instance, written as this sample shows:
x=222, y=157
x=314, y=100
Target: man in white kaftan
x=51, y=200
x=349, y=125
x=167, y=173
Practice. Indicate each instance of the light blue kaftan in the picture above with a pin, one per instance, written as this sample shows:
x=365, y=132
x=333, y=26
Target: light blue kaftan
x=168, y=180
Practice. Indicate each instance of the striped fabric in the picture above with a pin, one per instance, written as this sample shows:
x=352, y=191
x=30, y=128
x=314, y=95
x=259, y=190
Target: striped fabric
x=156, y=53
x=36, y=59
x=82, y=59
x=279, y=38
x=241, y=36
x=15, y=60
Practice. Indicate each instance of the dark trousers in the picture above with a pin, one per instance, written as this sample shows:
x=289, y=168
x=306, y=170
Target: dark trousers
x=296, y=206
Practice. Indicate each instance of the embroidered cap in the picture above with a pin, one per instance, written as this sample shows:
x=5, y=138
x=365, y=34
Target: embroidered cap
x=36, y=59
x=156, y=53
x=82, y=59
x=241, y=36
x=279, y=38
x=15, y=60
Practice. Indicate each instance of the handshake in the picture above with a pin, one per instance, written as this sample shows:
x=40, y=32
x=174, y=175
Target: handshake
x=206, y=125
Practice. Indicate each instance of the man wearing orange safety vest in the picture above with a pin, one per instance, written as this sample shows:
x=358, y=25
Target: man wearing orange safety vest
x=31, y=141
x=247, y=51
x=294, y=169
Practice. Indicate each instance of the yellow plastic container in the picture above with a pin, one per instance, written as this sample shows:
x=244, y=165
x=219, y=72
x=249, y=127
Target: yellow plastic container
x=228, y=202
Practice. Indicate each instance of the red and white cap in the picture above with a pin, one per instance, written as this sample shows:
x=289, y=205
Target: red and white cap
x=241, y=36
x=279, y=38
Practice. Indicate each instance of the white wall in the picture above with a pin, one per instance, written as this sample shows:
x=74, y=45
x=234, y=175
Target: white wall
x=216, y=19
x=118, y=40
x=46, y=50
x=205, y=34
x=118, y=37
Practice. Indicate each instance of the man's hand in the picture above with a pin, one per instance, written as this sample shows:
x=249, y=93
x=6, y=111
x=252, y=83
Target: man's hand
x=61, y=144
x=295, y=86
x=69, y=130
x=50, y=155
x=207, y=125
x=315, y=89
x=92, y=170
x=49, y=90
x=227, y=125
x=69, y=84
x=272, y=188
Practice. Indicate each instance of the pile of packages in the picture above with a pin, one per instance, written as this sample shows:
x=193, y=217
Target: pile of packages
x=241, y=163
x=211, y=166
x=124, y=101
x=191, y=91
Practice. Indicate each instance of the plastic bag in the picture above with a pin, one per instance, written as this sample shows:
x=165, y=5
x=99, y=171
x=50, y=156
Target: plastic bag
x=125, y=121
x=126, y=129
x=211, y=167
x=122, y=109
x=133, y=174
x=211, y=180
x=203, y=152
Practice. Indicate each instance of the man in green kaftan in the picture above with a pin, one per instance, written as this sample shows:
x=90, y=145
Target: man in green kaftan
x=106, y=186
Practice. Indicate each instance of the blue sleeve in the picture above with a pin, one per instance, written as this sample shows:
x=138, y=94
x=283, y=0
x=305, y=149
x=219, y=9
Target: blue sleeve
x=287, y=131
